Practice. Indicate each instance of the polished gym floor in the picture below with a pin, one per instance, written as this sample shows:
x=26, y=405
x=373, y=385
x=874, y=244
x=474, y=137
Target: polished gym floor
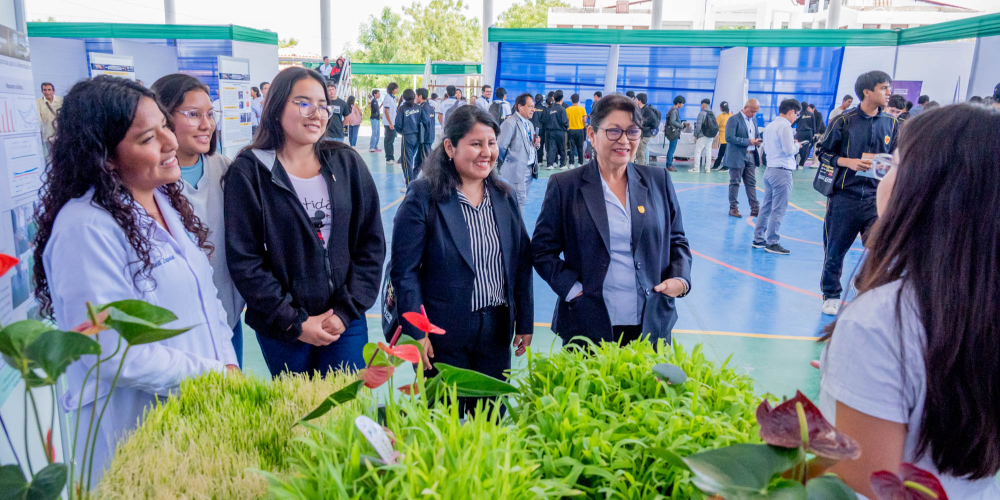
x=759, y=309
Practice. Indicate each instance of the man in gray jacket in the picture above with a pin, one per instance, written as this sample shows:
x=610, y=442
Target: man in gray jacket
x=672, y=129
x=742, y=139
x=518, y=143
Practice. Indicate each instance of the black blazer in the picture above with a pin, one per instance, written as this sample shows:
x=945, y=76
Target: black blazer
x=574, y=223
x=431, y=262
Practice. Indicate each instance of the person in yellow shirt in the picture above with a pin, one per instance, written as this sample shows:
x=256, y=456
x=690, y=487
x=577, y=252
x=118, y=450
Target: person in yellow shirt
x=577, y=115
x=721, y=119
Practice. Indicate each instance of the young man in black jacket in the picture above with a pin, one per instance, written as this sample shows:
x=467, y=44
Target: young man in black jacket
x=556, y=124
x=338, y=111
x=538, y=120
x=805, y=132
x=845, y=153
x=650, y=122
x=427, y=123
x=409, y=116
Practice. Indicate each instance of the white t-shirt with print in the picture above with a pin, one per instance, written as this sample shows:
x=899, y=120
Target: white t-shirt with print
x=314, y=196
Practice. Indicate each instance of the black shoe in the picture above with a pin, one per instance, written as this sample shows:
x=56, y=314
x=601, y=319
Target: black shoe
x=758, y=244
x=776, y=249
x=724, y=169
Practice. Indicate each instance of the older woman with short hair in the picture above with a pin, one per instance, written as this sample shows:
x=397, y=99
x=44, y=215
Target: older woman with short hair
x=610, y=241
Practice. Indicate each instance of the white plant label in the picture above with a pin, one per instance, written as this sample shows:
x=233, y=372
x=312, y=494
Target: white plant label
x=376, y=435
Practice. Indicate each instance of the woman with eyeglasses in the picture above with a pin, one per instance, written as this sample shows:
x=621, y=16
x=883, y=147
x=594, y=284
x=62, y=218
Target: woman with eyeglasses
x=187, y=102
x=304, y=234
x=609, y=240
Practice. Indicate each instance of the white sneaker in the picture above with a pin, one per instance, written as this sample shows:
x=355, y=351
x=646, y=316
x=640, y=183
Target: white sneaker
x=402, y=190
x=390, y=162
x=550, y=167
x=694, y=170
x=564, y=167
x=831, y=307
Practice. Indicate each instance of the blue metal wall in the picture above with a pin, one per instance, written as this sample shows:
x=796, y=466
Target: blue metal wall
x=541, y=68
x=805, y=73
x=666, y=72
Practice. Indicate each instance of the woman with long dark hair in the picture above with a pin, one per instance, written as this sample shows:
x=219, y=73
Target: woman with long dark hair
x=304, y=234
x=113, y=225
x=460, y=249
x=187, y=102
x=911, y=369
x=722, y=119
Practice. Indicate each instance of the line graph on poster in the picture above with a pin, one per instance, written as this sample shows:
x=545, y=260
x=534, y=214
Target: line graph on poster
x=18, y=114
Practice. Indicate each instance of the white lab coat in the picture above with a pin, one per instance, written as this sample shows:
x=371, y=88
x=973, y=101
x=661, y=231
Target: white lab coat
x=88, y=258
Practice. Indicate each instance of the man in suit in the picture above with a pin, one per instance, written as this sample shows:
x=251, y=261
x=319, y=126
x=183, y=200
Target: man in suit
x=742, y=139
x=517, y=143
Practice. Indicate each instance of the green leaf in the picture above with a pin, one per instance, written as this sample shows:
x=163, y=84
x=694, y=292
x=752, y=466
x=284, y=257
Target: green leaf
x=740, y=469
x=54, y=350
x=785, y=489
x=142, y=310
x=829, y=487
x=670, y=374
x=381, y=358
x=12, y=483
x=137, y=331
x=471, y=383
x=16, y=337
x=348, y=393
x=47, y=484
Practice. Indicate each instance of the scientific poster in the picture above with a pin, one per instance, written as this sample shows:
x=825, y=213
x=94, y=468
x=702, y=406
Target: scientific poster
x=908, y=89
x=234, y=97
x=111, y=64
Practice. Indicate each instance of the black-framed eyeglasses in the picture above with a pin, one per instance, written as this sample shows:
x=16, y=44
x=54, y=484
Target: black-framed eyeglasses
x=195, y=116
x=613, y=134
x=308, y=109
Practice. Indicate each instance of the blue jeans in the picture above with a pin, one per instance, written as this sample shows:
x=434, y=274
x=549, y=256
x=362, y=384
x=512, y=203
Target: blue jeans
x=300, y=357
x=238, y=342
x=352, y=133
x=376, y=132
x=777, y=188
x=670, y=152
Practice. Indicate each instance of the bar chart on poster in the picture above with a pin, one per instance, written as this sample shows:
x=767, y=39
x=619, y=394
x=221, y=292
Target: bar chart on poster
x=234, y=95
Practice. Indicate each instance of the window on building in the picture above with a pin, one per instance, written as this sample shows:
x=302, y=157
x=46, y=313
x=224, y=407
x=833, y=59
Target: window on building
x=870, y=26
x=564, y=26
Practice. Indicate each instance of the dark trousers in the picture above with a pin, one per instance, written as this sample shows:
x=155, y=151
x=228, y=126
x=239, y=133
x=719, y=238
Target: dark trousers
x=555, y=145
x=299, y=357
x=722, y=153
x=804, y=150
x=623, y=334
x=238, y=342
x=486, y=350
x=748, y=174
x=846, y=217
x=540, y=154
x=423, y=151
x=576, y=146
x=390, y=138
x=411, y=143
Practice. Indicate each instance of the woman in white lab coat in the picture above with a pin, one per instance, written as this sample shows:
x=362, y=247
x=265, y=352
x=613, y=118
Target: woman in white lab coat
x=113, y=225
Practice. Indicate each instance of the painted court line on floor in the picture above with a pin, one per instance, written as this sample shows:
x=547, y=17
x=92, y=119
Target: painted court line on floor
x=387, y=207
x=753, y=275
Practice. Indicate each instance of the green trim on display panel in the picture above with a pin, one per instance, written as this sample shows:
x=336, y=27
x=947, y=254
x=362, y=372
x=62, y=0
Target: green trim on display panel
x=154, y=31
x=456, y=69
x=979, y=26
x=358, y=68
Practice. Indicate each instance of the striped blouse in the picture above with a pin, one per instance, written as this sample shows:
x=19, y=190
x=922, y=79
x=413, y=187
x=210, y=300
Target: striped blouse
x=489, y=286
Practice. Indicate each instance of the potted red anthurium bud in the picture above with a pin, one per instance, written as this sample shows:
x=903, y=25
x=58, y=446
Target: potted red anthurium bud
x=912, y=483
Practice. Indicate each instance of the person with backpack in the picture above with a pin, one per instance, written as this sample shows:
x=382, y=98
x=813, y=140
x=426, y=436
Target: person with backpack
x=705, y=130
x=672, y=129
x=409, y=117
x=426, y=131
x=721, y=121
x=500, y=108
x=650, y=122
x=805, y=133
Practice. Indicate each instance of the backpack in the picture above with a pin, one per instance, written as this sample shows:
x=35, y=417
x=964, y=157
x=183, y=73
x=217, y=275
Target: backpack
x=670, y=132
x=709, y=127
x=496, y=109
x=656, y=129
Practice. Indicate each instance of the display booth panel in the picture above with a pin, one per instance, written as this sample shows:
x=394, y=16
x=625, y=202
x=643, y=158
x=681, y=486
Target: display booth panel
x=808, y=74
x=541, y=68
x=666, y=72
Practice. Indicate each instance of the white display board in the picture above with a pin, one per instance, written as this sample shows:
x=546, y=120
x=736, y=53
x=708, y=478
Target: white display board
x=112, y=64
x=22, y=164
x=234, y=97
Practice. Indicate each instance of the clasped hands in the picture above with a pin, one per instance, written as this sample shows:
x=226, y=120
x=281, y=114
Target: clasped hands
x=322, y=330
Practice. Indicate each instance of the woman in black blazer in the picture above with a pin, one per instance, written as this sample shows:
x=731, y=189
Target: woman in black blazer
x=609, y=239
x=460, y=248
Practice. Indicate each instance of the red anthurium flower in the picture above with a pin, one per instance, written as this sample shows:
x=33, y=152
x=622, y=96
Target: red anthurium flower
x=7, y=262
x=915, y=484
x=89, y=328
x=421, y=322
x=375, y=376
x=407, y=352
x=783, y=426
x=410, y=390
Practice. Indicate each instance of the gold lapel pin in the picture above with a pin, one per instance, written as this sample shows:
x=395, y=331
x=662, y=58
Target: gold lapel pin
x=642, y=209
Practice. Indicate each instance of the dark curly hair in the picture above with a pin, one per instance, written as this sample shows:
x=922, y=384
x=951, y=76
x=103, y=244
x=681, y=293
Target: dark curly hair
x=94, y=119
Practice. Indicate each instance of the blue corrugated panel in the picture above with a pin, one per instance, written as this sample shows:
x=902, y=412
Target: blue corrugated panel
x=666, y=72
x=541, y=68
x=200, y=59
x=808, y=74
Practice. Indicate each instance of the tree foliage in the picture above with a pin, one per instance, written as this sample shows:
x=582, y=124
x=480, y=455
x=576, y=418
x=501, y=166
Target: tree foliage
x=530, y=14
x=287, y=42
